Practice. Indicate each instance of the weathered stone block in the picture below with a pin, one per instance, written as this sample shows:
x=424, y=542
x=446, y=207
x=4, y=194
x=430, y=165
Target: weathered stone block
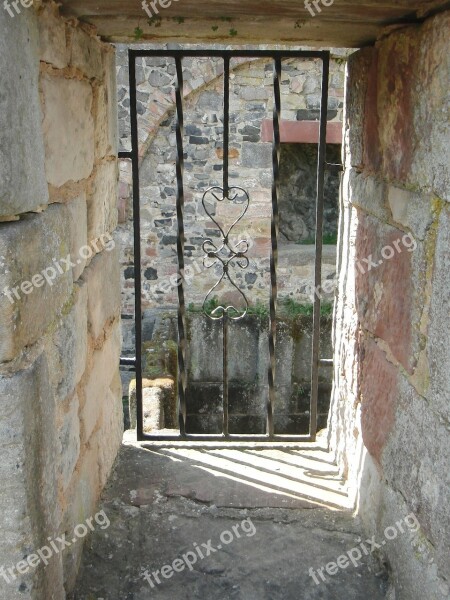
x=159, y=404
x=22, y=175
x=66, y=349
x=256, y=155
x=68, y=129
x=254, y=93
x=27, y=430
x=102, y=278
x=106, y=109
x=28, y=249
x=77, y=211
x=86, y=54
x=438, y=348
x=412, y=210
x=389, y=287
x=105, y=366
x=103, y=201
x=69, y=442
x=111, y=428
x=86, y=490
x=379, y=397
x=52, y=38
x=359, y=70
x=415, y=462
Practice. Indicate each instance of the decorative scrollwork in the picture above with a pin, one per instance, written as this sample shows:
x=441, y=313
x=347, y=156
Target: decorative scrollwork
x=226, y=253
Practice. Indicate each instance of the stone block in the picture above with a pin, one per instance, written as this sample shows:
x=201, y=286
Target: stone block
x=412, y=104
x=390, y=287
x=204, y=364
x=86, y=54
x=28, y=249
x=77, y=211
x=438, y=348
x=105, y=366
x=379, y=396
x=102, y=278
x=111, y=429
x=69, y=443
x=415, y=463
x=23, y=187
x=256, y=155
x=105, y=102
x=411, y=210
x=29, y=504
x=254, y=93
x=66, y=348
x=82, y=506
x=52, y=38
x=103, y=201
x=68, y=129
x=159, y=403
x=359, y=69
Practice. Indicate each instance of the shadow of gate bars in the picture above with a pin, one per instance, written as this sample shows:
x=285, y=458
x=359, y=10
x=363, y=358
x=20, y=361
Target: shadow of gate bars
x=227, y=252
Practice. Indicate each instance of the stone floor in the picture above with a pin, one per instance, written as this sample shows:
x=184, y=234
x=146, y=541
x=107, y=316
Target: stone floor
x=264, y=516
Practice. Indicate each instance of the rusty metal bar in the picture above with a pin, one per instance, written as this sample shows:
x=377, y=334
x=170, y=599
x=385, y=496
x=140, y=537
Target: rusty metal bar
x=137, y=245
x=321, y=165
x=274, y=241
x=182, y=375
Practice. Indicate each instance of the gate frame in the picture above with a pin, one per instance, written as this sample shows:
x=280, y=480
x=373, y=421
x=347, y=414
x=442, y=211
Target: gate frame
x=133, y=155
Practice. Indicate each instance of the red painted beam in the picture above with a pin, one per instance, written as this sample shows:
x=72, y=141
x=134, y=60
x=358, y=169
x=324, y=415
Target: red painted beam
x=301, y=132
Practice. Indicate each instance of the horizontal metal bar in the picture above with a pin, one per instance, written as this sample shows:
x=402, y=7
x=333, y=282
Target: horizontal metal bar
x=128, y=361
x=322, y=54
x=192, y=437
x=125, y=154
x=326, y=362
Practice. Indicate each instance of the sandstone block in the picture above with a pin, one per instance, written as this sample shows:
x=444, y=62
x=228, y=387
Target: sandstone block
x=86, y=54
x=28, y=249
x=77, y=210
x=106, y=134
x=111, y=428
x=67, y=347
x=105, y=365
x=103, y=201
x=52, y=38
x=158, y=403
x=68, y=129
x=69, y=443
x=102, y=278
x=22, y=174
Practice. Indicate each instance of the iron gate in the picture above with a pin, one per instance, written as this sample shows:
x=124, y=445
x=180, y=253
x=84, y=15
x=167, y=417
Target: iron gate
x=227, y=313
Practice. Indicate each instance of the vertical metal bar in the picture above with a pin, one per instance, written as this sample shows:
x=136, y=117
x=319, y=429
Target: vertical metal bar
x=226, y=145
x=182, y=376
x=137, y=244
x=274, y=240
x=225, y=375
x=226, y=121
x=321, y=165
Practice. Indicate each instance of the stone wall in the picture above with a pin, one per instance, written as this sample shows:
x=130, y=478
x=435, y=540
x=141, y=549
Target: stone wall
x=251, y=103
x=390, y=420
x=61, y=416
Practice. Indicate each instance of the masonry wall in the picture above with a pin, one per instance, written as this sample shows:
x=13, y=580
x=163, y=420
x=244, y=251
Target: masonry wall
x=60, y=391
x=390, y=419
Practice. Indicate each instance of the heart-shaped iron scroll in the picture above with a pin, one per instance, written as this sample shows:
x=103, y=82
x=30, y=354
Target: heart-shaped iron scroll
x=226, y=253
